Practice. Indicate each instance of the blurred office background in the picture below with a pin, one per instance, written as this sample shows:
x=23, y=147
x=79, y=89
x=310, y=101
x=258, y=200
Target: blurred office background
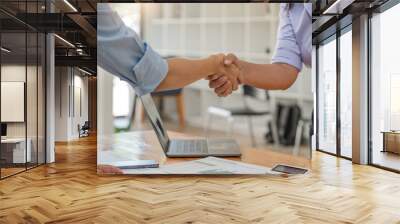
x=67, y=60
x=197, y=30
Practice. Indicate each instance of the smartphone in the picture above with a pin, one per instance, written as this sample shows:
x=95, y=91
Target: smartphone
x=137, y=164
x=289, y=169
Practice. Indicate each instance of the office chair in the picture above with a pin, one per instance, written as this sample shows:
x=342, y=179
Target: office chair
x=244, y=111
x=84, y=129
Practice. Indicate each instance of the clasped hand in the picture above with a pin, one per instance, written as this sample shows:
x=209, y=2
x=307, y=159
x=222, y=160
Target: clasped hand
x=228, y=75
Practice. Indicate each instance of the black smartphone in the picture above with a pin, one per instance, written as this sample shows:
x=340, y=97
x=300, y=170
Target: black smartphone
x=289, y=169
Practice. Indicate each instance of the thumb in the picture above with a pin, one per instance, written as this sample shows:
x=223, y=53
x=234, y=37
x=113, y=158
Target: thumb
x=212, y=77
x=230, y=59
x=227, y=62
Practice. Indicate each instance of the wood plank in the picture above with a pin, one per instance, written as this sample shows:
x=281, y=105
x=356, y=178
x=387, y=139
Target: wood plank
x=70, y=191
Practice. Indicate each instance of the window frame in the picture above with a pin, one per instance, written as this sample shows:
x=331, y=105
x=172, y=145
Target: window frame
x=333, y=37
x=378, y=10
x=27, y=29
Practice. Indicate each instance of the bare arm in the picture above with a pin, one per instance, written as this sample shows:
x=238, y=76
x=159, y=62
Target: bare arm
x=265, y=76
x=182, y=72
x=268, y=76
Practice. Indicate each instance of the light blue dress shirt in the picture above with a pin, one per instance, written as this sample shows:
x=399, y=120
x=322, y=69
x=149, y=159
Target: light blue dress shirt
x=294, y=36
x=121, y=52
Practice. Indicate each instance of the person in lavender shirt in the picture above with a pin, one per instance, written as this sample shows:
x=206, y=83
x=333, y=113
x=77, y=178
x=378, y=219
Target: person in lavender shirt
x=292, y=51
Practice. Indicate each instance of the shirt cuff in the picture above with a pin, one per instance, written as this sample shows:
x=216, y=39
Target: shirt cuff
x=287, y=57
x=150, y=71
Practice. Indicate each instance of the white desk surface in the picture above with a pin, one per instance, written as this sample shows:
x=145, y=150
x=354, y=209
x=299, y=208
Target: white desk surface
x=13, y=140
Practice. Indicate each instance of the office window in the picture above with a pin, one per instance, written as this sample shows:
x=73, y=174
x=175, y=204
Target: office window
x=346, y=94
x=14, y=153
x=385, y=89
x=22, y=94
x=327, y=96
x=121, y=98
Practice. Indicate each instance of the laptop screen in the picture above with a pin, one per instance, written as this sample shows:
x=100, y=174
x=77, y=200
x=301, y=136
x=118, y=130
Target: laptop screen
x=155, y=120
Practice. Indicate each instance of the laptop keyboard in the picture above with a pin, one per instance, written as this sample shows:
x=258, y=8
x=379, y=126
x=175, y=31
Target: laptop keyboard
x=189, y=147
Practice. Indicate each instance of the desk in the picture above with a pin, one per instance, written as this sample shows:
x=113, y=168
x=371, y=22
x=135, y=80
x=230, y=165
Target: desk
x=143, y=145
x=391, y=141
x=13, y=150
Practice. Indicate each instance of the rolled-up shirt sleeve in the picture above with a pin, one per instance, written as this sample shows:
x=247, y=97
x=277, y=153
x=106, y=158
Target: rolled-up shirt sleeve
x=287, y=49
x=121, y=52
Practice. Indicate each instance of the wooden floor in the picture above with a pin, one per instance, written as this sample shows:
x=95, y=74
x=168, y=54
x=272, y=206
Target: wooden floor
x=10, y=171
x=386, y=159
x=70, y=191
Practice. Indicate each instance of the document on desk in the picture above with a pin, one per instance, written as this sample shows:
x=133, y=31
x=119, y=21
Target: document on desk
x=207, y=166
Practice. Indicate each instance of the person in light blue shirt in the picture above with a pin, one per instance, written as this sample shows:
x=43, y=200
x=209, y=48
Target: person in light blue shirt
x=121, y=52
x=292, y=51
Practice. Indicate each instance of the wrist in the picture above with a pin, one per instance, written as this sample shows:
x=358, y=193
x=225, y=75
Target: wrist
x=213, y=64
x=243, y=71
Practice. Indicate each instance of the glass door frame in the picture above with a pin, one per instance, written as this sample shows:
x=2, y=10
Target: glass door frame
x=382, y=8
x=334, y=37
x=30, y=29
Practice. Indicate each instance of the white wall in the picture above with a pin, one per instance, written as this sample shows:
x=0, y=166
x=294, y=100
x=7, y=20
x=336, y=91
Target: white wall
x=61, y=103
x=105, y=118
x=14, y=73
x=33, y=126
x=70, y=83
x=10, y=73
x=79, y=117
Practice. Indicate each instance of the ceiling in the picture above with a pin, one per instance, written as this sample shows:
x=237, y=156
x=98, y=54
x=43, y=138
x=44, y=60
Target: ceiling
x=327, y=21
x=75, y=21
x=75, y=43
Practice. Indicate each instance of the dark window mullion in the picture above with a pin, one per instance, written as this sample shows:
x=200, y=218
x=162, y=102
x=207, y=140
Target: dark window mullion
x=369, y=77
x=316, y=113
x=26, y=87
x=37, y=91
x=338, y=78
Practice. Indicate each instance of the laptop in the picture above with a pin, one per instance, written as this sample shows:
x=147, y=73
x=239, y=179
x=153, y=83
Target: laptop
x=223, y=147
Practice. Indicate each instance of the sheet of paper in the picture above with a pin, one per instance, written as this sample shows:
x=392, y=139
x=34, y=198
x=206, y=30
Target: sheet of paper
x=208, y=165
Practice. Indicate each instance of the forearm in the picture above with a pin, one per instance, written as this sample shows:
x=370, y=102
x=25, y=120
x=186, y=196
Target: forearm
x=182, y=72
x=268, y=76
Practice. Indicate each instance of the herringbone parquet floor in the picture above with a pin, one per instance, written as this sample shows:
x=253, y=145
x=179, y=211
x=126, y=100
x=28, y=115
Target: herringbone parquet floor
x=70, y=191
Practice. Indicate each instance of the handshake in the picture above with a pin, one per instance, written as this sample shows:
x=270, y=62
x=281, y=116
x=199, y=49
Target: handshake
x=228, y=74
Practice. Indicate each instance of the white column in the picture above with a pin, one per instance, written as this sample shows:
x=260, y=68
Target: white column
x=360, y=90
x=63, y=104
x=314, y=93
x=50, y=99
x=105, y=125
